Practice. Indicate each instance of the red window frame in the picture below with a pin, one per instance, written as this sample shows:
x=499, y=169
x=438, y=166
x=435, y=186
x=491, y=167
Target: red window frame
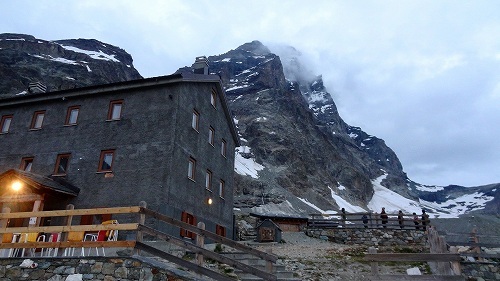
x=192, y=168
x=26, y=164
x=69, y=114
x=103, y=161
x=35, y=120
x=189, y=219
x=4, y=126
x=208, y=180
x=222, y=188
x=58, y=169
x=211, y=136
x=223, y=148
x=213, y=98
x=113, y=109
x=220, y=230
x=195, y=122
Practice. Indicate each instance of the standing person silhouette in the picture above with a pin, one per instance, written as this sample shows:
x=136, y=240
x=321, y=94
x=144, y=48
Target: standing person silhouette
x=384, y=217
x=425, y=219
x=344, y=217
x=401, y=219
x=416, y=221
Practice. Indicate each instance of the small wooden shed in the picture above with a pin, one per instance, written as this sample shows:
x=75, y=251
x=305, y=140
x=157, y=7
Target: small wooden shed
x=290, y=223
x=268, y=231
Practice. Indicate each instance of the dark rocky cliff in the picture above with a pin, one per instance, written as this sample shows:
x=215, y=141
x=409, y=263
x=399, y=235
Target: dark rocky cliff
x=293, y=129
x=60, y=64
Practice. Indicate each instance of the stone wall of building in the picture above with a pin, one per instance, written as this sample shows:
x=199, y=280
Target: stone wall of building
x=372, y=236
x=79, y=269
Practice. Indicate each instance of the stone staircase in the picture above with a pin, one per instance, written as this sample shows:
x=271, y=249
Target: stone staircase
x=278, y=269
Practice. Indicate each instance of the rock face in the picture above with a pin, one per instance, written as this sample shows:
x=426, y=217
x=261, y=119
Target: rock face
x=293, y=129
x=300, y=149
x=61, y=64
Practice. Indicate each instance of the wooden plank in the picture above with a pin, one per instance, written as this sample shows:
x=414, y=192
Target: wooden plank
x=418, y=277
x=20, y=198
x=85, y=244
x=209, y=254
x=88, y=228
x=472, y=244
x=373, y=265
x=412, y=257
x=76, y=212
x=481, y=255
x=184, y=263
x=211, y=235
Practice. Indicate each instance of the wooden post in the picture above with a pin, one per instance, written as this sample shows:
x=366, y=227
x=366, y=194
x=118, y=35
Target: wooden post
x=269, y=264
x=474, y=239
x=200, y=242
x=4, y=222
x=35, y=221
x=139, y=236
x=3, y=226
x=68, y=222
x=443, y=267
x=374, y=265
x=455, y=265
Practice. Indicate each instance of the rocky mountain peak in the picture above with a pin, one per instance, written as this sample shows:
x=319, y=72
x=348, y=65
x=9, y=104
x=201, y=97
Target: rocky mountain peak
x=255, y=47
x=61, y=64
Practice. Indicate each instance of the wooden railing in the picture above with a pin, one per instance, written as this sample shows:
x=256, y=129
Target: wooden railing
x=475, y=241
x=371, y=220
x=446, y=265
x=131, y=225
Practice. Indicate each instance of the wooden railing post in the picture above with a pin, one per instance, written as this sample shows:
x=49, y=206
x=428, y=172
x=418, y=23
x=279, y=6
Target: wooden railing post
x=200, y=242
x=269, y=264
x=4, y=222
x=3, y=225
x=455, y=265
x=139, y=236
x=68, y=221
x=373, y=264
x=35, y=221
x=474, y=239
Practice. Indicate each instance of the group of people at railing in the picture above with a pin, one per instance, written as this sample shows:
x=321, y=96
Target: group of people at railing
x=373, y=220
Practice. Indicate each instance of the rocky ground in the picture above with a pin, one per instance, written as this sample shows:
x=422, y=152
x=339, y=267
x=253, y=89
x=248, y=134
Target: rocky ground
x=319, y=260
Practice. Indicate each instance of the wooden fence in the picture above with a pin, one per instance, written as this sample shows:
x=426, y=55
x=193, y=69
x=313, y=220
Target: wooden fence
x=475, y=242
x=367, y=220
x=138, y=226
x=445, y=265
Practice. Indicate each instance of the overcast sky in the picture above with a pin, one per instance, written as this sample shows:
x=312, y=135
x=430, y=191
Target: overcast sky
x=422, y=75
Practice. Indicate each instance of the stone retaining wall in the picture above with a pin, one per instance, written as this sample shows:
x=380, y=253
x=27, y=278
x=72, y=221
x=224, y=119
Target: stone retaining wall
x=481, y=271
x=78, y=269
x=372, y=236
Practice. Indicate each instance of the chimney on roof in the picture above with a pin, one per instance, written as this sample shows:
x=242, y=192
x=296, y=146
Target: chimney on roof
x=36, y=88
x=200, y=65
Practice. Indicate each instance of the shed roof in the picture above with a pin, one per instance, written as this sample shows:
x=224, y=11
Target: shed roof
x=39, y=182
x=279, y=216
x=270, y=221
